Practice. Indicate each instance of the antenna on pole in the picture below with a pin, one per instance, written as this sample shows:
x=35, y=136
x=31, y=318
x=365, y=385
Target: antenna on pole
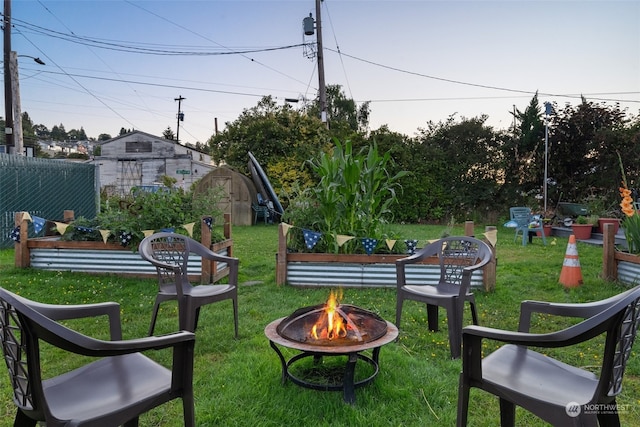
x=180, y=117
x=308, y=26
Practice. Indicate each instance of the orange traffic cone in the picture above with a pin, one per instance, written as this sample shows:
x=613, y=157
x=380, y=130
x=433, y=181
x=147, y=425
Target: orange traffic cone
x=571, y=274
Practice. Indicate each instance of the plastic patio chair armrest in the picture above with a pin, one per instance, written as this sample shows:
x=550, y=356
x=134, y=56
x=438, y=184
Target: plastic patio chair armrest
x=207, y=253
x=561, y=338
x=426, y=252
x=582, y=310
x=78, y=343
x=79, y=311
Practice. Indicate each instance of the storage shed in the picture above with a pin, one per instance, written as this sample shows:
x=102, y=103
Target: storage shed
x=239, y=192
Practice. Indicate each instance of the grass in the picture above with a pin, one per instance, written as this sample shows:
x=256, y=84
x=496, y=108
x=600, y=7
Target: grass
x=237, y=382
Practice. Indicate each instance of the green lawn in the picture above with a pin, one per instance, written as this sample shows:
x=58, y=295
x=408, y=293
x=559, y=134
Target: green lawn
x=237, y=382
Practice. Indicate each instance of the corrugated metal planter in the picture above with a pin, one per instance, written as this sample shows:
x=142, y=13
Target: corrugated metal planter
x=617, y=265
x=350, y=270
x=51, y=253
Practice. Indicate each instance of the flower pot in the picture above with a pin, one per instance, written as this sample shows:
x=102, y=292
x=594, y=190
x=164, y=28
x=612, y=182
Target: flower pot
x=582, y=231
x=603, y=221
x=547, y=231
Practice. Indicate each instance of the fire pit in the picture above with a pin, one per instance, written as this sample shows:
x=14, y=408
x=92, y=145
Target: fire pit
x=331, y=329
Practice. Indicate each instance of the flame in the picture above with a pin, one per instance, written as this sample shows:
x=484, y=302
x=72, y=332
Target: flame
x=331, y=324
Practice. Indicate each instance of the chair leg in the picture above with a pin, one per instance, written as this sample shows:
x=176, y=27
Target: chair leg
x=399, y=302
x=235, y=316
x=474, y=313
x=507, y=413
x=154, y=316
x=463, y=402
x=132, y=423
x=609, y=418
x=22, y=420
x=189, y=411
x=455, y=333
x=432, y=317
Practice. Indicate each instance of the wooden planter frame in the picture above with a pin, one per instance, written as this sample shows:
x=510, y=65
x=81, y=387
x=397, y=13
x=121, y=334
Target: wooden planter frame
x=332, y=264
x=616, y=265
x=110, y=257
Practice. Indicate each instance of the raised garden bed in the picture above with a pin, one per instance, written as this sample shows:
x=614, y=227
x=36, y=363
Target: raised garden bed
x=351, y=270
x=617, y=265
x=51, y=253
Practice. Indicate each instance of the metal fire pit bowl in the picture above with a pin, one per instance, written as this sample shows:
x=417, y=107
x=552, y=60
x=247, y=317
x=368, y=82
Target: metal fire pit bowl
x=319, y=349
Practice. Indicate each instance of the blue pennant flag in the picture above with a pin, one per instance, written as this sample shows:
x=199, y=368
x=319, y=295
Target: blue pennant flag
x=125, y=238
x=311, y=238
x=168, y=230
x=84, y=229
x=15, y=234
x=209, y=221
x=411, y=246
x=369, y=244
x=38, y=223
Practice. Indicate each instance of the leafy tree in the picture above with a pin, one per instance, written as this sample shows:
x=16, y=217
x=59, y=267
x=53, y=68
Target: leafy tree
x=461, y=158
x=346, y=120
x=104, y=137
x=77, y=135
x=583, y=142
x=168, y=134
x=521, y=157
x=281, y=138
x=41, y=131
x=58, y=133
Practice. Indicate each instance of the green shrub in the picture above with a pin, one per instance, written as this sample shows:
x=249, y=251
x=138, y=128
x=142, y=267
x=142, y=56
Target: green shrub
x=142, y=210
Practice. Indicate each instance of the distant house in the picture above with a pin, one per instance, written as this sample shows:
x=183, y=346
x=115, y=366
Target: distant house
x=140, y=159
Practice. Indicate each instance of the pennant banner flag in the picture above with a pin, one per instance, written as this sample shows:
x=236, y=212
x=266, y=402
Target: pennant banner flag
x=61, y=227
x=148, y=233
x=125, y=238
x=342, y=239
x=105, y=235
x=369, y=244
x=26, y=216
x=311, y=238
x=209, y=221
x=15, y=234
x=38, y=224
x=84, y=229
x=390, y=243
x=411, y=246
x=286, y=227
x=492, y=236
x=189, y=228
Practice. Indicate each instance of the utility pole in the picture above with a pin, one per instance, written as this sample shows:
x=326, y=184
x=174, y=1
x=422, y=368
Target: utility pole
x=308, y=26
x=180, y=117
x=8, y=96
x=321, y=83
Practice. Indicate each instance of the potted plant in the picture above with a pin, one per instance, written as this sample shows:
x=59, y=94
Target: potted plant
x=582, y=227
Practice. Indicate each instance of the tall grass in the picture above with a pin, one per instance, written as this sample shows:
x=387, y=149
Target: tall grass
x=237, y=382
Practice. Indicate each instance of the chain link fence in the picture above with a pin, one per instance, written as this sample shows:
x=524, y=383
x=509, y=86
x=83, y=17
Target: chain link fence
x=45, y=188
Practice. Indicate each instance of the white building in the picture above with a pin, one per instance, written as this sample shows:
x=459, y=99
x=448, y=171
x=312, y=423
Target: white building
x=140, y=159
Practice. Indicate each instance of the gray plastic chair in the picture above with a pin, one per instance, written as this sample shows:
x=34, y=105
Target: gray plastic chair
x=558, y=393
x=526, y=223
x=113, y=390
x=458, y=258
x=169, y=253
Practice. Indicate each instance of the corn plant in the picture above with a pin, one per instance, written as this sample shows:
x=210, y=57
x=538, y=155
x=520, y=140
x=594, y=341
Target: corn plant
x=353, y=195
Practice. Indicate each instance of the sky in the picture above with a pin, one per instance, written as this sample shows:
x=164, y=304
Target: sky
x=122, y=64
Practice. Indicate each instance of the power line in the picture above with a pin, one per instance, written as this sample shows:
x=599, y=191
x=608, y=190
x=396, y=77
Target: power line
x=459, y=82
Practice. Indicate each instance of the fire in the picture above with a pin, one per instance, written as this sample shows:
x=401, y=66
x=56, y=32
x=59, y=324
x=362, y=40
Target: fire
x=332, y=323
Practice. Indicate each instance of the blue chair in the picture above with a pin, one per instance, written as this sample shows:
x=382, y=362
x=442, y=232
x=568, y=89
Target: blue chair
x=525, y=223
